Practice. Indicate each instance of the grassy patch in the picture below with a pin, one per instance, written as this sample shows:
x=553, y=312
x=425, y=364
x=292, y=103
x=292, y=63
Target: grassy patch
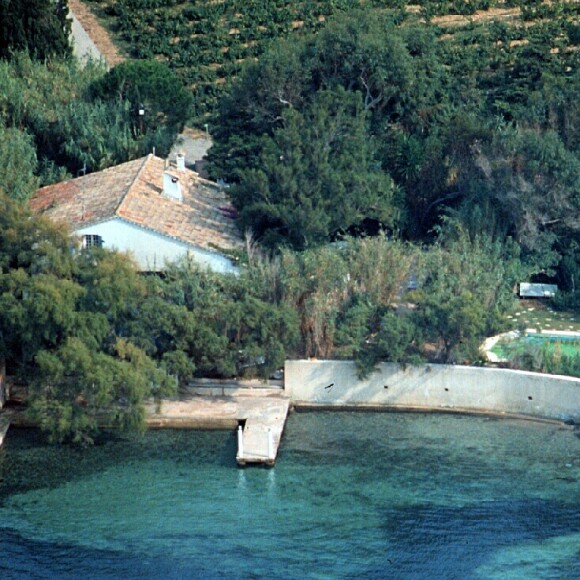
x=541, y=316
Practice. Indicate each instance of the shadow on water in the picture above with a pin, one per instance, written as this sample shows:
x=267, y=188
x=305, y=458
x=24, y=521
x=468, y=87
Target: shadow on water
x=432, y=540
x=26, y=558
x=28, y=461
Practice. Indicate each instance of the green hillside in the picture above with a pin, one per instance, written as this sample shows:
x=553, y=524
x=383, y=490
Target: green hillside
x=207, y=42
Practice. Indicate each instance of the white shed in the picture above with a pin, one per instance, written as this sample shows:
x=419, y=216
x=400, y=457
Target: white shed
x=529, y=290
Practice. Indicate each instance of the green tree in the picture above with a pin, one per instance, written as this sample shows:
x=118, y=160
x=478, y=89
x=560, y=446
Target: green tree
x=78, y=390
x=341, y=291
x=457, y=321
x=466, y=288
x=70, y=128
x=315, y=285
x=63, y=316
x=260, y=331
x=398, y=339
x=18, y=163
x=306, y=130
x=197, y=323
x=92, y=136
x=521, y=184
x=156, y=95
x=39, y=26
x=318, y=176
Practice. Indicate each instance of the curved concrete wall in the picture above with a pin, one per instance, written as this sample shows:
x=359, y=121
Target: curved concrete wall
x=434, y=387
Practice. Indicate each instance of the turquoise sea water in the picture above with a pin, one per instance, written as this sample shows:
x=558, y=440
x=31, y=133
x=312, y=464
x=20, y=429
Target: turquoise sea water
x=352, y=496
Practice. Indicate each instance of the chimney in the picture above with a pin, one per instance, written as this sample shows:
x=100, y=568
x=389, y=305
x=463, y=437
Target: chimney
x=171, y=186
x=180, y=161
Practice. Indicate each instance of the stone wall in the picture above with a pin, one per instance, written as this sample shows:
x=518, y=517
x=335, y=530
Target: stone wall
x=434, y=387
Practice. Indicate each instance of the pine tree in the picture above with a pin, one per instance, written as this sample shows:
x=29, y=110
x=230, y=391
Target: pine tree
x=41, y=27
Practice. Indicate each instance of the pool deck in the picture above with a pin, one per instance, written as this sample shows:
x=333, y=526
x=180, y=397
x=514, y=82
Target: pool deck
x=553, y=333
x=259, y=418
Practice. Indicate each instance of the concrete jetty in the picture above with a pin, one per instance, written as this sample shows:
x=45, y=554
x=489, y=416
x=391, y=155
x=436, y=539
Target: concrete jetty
x=258, y=416
x=260, y=409
x=263, y=423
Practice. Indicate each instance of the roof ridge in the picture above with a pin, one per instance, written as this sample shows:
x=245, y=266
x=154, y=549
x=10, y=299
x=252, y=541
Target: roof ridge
x=134, y=180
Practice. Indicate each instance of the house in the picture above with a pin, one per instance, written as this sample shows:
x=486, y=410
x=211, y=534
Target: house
x=155, y=210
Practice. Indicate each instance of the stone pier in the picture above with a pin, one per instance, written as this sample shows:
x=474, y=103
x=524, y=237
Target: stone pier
x=261, y=415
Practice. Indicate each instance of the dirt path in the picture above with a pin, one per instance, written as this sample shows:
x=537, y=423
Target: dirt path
x=96, y=32
x=501, y=14
x=193, y=143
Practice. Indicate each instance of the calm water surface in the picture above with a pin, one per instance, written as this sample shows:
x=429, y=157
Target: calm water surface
x=352, y=496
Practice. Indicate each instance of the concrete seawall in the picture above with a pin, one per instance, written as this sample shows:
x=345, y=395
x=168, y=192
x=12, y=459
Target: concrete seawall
x=434, y=387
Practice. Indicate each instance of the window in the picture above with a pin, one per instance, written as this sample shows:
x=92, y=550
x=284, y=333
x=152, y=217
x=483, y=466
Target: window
x=92, y=241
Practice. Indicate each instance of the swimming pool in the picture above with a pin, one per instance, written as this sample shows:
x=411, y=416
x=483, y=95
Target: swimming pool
x=510, y=346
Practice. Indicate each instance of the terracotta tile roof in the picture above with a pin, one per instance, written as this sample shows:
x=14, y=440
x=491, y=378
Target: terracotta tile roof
x=133, y=191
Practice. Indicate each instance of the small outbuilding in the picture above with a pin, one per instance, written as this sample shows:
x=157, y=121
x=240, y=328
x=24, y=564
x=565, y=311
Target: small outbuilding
x=529, y=290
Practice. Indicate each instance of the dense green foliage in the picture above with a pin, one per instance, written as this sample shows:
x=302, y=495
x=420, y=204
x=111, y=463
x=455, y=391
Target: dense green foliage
x=61, y=319
x=202, y=324
x=465, y=290
x=341, y=292
x=18, y=163
x=316, y=176
x=354, y=300
x=40, y=27
x=546, y=358
x=464, y=127
x=58, y=118
x=461, y=139
x=157, y=96
x=297, y=130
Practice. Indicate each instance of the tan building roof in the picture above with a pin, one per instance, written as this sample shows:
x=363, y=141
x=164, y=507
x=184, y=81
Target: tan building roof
x=133, y=191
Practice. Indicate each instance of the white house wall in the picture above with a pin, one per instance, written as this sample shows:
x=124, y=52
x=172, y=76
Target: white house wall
x=153, y=251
